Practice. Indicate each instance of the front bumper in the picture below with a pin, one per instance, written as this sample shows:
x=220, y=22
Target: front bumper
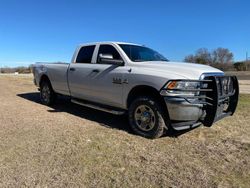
x=213, y=103
x=183, y=115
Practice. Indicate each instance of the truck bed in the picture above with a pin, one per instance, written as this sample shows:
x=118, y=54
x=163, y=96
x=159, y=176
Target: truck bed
x=57, y=73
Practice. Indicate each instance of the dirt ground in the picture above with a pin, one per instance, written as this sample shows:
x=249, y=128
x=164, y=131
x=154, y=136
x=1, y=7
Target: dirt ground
x=69, y=145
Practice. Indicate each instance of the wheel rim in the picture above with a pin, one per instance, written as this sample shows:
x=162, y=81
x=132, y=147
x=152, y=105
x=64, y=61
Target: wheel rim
x=144, y=117
x=45, y=93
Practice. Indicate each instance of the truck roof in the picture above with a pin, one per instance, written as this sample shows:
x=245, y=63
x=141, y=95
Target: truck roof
x=108, y=42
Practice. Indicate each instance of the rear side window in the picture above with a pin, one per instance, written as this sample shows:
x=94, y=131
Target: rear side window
x=85, y=54
x=108, y=49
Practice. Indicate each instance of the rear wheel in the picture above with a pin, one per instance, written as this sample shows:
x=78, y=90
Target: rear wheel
x=47, y=94
x=146, y=117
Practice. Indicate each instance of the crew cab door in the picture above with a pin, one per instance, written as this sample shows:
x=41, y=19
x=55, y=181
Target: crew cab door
x=109, y=79
x=80, y=73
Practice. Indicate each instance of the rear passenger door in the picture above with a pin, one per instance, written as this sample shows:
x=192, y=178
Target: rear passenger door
x=79, y=73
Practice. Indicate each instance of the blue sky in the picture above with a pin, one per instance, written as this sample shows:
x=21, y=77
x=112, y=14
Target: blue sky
x=46, y=30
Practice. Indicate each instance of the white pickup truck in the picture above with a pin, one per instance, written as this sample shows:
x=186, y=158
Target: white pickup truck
x=156, y=94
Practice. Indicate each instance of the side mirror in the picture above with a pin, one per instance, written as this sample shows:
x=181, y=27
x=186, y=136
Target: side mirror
x=108, y=59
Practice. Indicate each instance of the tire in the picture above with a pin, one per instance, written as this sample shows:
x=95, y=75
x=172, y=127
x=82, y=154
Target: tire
x=146, y=117
x=47, y=94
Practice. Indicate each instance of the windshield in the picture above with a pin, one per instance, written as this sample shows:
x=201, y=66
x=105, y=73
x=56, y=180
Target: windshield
x=141, y=53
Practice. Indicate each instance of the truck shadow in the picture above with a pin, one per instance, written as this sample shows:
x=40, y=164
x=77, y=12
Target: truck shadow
x=63, y=104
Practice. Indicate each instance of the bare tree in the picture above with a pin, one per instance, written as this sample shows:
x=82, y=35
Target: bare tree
x=202, y=56
x=190, y=59
x=222, y=55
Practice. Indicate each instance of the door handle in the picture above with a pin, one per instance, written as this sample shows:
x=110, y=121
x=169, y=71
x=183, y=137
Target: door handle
x=96, y=70
x=72, y=69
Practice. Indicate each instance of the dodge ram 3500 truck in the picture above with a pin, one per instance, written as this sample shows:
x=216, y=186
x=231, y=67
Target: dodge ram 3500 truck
x=156, y=94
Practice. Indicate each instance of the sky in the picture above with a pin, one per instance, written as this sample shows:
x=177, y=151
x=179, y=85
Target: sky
x=49, y=30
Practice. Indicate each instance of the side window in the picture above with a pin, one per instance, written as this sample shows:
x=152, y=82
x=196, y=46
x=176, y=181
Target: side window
x=108, y=49
x=85, y=54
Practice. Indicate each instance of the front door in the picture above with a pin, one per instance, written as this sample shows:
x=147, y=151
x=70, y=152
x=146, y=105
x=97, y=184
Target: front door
x=107, y=83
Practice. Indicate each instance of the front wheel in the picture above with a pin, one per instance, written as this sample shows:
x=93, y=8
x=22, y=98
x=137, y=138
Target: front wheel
x=47, y=93
x=146, y=117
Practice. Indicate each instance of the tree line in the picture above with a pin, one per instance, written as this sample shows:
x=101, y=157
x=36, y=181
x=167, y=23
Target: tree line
x=220, y=58
x=20, y=70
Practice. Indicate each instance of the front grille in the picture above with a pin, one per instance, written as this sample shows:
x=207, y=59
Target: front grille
x=225, y=86
x=225, y=91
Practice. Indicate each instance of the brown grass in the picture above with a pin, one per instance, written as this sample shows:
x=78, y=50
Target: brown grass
x=69, y=145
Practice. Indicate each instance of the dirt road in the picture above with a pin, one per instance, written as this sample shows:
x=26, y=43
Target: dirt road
x=244, y=86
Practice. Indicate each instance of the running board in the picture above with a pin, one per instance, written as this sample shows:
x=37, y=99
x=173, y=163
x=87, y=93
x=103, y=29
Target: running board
x=97, y=107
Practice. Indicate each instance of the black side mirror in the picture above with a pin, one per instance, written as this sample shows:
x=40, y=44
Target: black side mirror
x=108, y=59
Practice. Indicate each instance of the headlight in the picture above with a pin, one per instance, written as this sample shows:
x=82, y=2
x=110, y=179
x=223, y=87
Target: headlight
x=176, y=87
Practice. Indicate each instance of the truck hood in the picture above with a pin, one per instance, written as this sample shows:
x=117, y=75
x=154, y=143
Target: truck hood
x=182, y=69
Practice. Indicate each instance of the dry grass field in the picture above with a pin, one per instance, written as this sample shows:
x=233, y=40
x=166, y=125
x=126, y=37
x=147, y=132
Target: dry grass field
x=71, y=146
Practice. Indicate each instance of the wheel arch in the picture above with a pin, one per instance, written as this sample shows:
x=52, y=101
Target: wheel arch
x=44, y=78
x=143, y=90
